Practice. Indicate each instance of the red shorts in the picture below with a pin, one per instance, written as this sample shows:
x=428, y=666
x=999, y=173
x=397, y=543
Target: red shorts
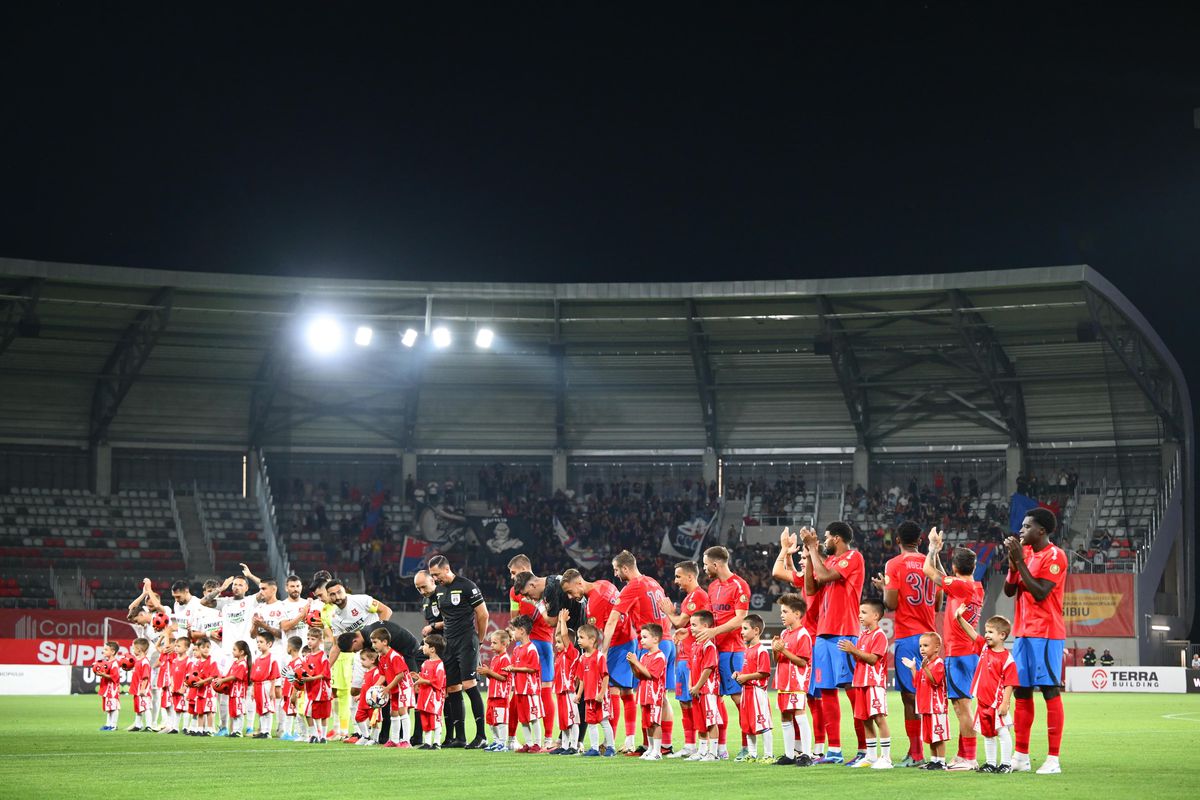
x=166, y=699
x=237, y=704
x=179, y=702
x=706, y=711
x=792, y=701
x=934, y=728
x=318, y=709
x=529, y=708
x=988, y=722
x=568, y=711
x=497, y=711
x=869, y=701
x=596, y=711
x=110, y=702
x=754, y=710
x=264, y=702
x=430, y=721
x=652, y=715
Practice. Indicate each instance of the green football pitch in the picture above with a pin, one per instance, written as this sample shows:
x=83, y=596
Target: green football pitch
x=1115, y=746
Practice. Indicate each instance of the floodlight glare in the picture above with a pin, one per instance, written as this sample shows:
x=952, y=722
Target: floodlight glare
x=441, y=337
x=409, y=338
x=362, y=336
x=324, y=335
x=484, y=338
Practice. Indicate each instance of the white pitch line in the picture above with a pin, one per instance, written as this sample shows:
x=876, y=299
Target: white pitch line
x=1185, y=716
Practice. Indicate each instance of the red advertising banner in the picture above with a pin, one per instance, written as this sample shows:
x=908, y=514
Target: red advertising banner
x=70, y=652
x=1099, y=605
x=35, y=623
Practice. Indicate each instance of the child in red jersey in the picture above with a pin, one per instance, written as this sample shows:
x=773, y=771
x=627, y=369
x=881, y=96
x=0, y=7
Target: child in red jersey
x=995, y=678
x=793, y=657
x=930, y=680
x=526, y=667
x=162, y=685
x=591, y=686
x=431, y=690
x=179, y=721
x=106, y=669
x=754, y=709
x=651, y=671
x=363, y=712
x=565, y=660
x=237, y=680
x=291, y=688
x=202, y=699
x=870, y=679
x=139, y=686
x=264, y=682
x=705, y=690
x=316, y=675
x=499, y=690
x=393, y=676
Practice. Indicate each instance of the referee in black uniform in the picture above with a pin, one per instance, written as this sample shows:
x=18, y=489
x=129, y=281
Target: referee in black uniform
x=464, y=618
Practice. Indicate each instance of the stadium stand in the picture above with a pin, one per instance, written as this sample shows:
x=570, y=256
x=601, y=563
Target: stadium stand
x=233, y=530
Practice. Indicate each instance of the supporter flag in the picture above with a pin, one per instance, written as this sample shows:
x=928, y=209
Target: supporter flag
x=984, y=553
x=1022, y=504
x=414, y=556
x=584, y=557
x=440, y=525
x=374, y=514
x=498, y=538
x=687, y=539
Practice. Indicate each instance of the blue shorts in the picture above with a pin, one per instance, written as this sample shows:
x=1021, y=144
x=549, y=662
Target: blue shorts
x=960, y=673
x=668, y=650
x=831, y=667
x=1039, y=661
x=683, y=682
x=908, y=647
x=545, y=651
x=727, y=664
x=620, y=674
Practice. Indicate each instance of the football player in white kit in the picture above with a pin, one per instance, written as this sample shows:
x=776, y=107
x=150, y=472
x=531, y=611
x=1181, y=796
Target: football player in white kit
x=236, y=614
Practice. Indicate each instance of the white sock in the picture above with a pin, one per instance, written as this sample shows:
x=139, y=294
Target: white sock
x=789, y=740
x=223, y=710
x=394, y=732
x=264, y=723
x=112, y=719
x=406, y=725
x=594, y=736
x=573, y=738
x=871, y=745
x=752, y=745
x=768, y=744
x=885, y=748
x=702, y=745
x=1006, y=745
x=426, y=737
x=989, y=749
x=606, y=726
x=502, y=733
x=185, y=721
x=806, y=734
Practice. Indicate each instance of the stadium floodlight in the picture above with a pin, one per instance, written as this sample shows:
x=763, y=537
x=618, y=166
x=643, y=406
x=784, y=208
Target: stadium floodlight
x=1160, y=627
x=362, y=336
x=441, y=337
x=324, y=334
x=409, y=338
x=483, y=338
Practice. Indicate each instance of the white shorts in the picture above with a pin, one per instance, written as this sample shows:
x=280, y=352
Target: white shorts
x=754, y=712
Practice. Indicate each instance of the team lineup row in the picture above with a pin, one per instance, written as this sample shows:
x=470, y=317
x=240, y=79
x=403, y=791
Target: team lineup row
x=588, y=653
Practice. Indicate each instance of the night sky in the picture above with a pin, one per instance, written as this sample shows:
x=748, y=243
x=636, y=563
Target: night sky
x=603, y=142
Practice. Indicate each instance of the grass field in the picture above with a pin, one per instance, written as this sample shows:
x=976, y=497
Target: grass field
x=1115, y=746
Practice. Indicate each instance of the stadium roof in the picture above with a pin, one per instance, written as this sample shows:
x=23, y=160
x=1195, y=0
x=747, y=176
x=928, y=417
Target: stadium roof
x=1051, y=356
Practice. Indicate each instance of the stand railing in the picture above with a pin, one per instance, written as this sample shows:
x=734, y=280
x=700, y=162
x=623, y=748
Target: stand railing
x=277, y=558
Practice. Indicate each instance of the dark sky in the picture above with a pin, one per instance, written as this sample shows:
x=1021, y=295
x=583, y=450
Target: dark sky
x=603, y=142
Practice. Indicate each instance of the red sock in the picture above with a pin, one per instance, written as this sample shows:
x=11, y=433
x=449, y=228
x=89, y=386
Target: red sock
x=1055, y=719
x=968, y=745
x=630, y=703
x=1022, y=724
x=962, y=746
x=668, y=732
x=689, y=729
x=614, y=702
x=860, y=733
x=512, y=714
x=817, y=708
x=832, y=712
x=912, y=727
x=723, y=725
x=548, y=706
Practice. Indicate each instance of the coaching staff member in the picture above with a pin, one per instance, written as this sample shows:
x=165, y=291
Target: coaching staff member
x=465, y=620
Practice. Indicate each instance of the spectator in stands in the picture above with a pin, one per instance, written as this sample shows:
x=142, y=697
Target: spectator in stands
x=1196, y=660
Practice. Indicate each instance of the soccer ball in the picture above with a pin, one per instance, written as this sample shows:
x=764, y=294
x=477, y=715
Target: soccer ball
x=127, y=662
x=313, y=620
x=305, y=671
x=193, y=677
x=160, y=620
x=377, y=697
